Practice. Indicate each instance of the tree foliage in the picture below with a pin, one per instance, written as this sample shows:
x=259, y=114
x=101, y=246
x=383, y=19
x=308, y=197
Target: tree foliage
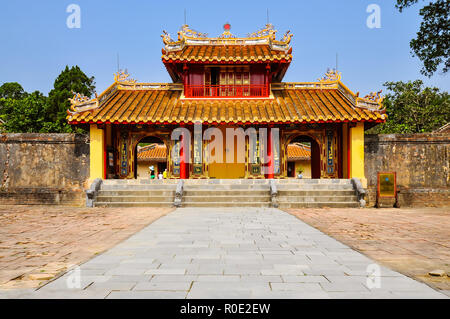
x=11, y=90
x=69, y=81
x=411, y=108
x=25, y=115
x=23, y=112
x=431, y=45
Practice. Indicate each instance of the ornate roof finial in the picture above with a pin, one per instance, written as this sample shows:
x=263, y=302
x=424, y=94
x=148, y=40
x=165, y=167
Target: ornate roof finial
x=81, y=103
x=372, y=101
x=374, y=96
x=122, y=76
x=268, y=30
x=226, y=32
x=331, y=75
x=287, y=37
x=166, y=37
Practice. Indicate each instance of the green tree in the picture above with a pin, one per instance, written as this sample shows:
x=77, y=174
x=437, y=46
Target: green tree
x=69, y=81
x=411, y=108
x=25, y=115
x=11, y=90
x=431, y=45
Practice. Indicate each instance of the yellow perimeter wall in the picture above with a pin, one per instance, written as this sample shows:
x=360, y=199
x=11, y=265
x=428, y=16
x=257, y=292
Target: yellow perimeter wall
x=306, y=165
x=97, y=162
x=143, y=169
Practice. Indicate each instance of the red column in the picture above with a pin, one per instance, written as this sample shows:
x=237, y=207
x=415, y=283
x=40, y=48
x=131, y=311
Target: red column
x=182, y=158
x=270, y=153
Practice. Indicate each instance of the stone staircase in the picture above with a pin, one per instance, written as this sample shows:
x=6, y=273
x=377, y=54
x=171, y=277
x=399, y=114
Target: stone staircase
x=310, y=193
x=226, y=193
x=136, y=193
x=291, y=193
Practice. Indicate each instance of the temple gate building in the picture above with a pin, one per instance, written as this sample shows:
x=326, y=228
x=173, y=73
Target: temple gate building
x=228, y=82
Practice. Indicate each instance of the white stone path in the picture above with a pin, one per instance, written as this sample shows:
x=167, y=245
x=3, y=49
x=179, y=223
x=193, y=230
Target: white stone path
x=230, y=253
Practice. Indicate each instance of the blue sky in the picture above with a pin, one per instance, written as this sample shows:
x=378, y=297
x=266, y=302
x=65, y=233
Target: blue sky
x=36, y=44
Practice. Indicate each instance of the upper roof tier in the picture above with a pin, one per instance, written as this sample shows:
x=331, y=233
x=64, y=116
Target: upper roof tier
x=195, y=47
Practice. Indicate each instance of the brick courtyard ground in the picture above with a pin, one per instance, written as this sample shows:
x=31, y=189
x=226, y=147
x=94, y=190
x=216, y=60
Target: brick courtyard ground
x=411, y=241
x=38, y=242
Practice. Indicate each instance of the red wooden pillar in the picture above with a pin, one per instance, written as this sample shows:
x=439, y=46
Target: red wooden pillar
x=267, y=80
x=183, y=154
x=270, y=153
x=186, y=80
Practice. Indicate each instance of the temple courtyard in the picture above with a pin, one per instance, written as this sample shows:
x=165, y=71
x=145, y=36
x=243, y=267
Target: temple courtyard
x=223, y=253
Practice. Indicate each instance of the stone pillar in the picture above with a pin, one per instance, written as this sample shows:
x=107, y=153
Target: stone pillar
x=97, y=152
x=357, y=152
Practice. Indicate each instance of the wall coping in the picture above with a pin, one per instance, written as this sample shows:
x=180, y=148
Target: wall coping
x=422, y=138
x=43, y=138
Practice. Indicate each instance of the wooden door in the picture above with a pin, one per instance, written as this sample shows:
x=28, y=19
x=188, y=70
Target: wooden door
x=227, y=170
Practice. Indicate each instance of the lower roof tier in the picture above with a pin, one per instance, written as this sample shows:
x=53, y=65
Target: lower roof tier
x=167, y=106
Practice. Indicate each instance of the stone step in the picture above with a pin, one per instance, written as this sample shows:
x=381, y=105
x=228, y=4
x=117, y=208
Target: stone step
x=133, y=204
x=316, y=192
x=133, y=192
x=320, y=199
x=140, y=182
x=228, y=192
x=283, y=181
x=313, y=181
x=125, y=187
x=318, y=204
x=227, y=187
x=316, y=187
x=225, y=204
x=225, y=199
x=129, y=199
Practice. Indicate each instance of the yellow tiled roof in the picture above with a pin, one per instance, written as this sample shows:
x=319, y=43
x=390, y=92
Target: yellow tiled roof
x=152, y=152
x=230, y=53
x=299, y=151
x=165, y=106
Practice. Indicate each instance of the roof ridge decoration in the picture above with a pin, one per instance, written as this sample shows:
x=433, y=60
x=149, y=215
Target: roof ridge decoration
x=226, y=32
x=123, y=77
x=268, y=30
x=265, y=36
x=331, y=75
x=332, y=80
x=81, y=103
x=372, y=101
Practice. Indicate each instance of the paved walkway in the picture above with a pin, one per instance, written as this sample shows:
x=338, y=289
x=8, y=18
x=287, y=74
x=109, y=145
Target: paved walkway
x=231, y=253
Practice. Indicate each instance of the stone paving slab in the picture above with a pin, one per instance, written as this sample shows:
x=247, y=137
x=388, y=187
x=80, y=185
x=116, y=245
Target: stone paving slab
x=38, y=243
x=413, y=241
x=187, y=254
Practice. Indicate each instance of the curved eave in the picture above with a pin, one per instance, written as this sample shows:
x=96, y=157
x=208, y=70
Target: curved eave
x=227, y=122
x=225, y=60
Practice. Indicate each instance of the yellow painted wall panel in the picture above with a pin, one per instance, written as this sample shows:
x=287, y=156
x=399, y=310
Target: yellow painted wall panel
x=96, y=152
x=357, y=151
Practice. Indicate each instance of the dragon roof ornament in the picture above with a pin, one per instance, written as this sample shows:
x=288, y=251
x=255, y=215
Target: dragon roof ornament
x=374, y=96
x=81, y=103
x=267, y=31
x=372, y=101
x=188, y=36
x=122, y=77
x=332, y=75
